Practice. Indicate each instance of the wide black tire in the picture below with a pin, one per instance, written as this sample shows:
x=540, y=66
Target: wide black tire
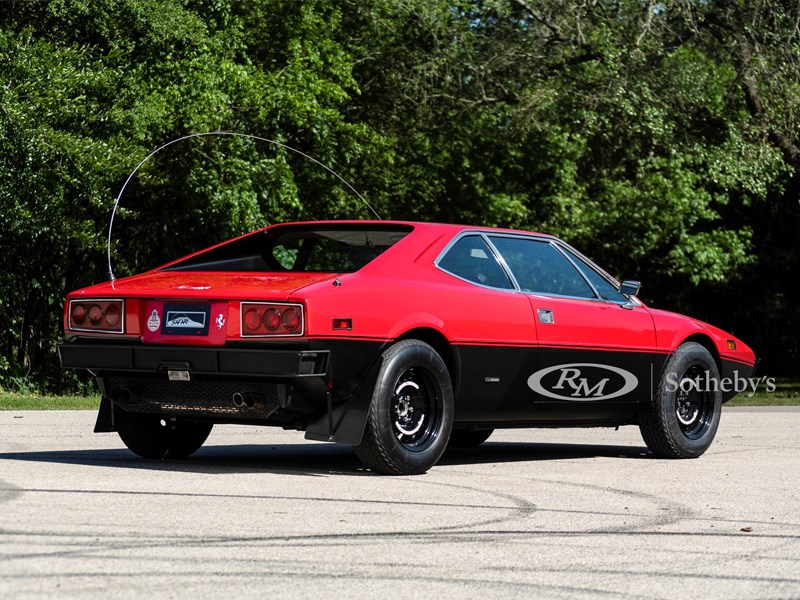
x=156, y=436
x=469, y=438
x=411, y=412
x=682, y=419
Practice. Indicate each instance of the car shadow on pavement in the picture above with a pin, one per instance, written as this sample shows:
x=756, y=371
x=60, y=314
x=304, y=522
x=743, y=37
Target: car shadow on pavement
x=317, y=458
x=502, y=452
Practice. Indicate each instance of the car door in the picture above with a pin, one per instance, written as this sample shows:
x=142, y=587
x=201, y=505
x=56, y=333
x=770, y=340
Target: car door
x=596, y=347
x=492, y=331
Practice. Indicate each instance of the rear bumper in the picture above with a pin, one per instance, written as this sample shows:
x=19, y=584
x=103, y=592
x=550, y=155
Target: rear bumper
x=226, y=361
x=321, y=386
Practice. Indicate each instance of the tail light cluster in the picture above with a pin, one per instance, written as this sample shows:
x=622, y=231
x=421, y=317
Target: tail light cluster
x=97, y=315
x=262, y=319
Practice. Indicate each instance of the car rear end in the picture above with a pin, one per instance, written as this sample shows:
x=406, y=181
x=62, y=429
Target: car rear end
x=225, y=335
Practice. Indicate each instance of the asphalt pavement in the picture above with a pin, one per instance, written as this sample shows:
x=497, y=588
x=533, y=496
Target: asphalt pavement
x=260, y=512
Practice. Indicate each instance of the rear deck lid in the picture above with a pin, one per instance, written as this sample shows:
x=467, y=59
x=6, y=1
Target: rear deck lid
x=209, y=285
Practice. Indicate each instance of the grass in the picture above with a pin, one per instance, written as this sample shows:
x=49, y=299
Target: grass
x=786, y=393
x=14, y=401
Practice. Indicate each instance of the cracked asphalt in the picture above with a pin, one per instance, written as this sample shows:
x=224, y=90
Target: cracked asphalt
x=531, y=513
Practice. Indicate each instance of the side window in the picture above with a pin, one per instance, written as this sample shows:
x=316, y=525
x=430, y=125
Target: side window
x=540, y=268
x=604, y=287
x=471, y=258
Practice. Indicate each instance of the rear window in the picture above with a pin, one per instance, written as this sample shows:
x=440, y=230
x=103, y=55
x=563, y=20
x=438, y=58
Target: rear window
x=324, y=248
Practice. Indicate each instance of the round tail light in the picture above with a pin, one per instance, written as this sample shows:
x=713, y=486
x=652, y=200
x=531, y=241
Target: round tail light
x=291, y=320
x=112, y=315
x=272, y=319
x=95, y=314
x=78, y=314
x=252, y=320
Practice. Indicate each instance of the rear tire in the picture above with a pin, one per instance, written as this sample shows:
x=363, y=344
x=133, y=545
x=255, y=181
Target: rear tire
x=469, y=438
x=683, y=417
x=411, y=412
x=158, y=436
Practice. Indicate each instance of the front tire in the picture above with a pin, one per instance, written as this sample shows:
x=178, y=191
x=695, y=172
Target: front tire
x=411, y=412
x=683, y=417
x=158, y=436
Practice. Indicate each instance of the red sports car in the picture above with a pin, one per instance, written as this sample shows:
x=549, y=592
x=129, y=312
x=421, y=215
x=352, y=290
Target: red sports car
x=397, y=338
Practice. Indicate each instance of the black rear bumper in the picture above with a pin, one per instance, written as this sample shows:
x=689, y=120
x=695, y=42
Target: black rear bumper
x=323, y=386
x=245, y=362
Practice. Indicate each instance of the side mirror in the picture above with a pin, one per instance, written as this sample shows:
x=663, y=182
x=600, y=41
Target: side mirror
x=630, y=287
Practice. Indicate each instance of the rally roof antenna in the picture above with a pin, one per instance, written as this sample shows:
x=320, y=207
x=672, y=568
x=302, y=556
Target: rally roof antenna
x=224, y=133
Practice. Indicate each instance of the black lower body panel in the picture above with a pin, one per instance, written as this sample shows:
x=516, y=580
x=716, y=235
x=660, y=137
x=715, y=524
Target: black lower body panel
x=554, y=387
x=323, y=387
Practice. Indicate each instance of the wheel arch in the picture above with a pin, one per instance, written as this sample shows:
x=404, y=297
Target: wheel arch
x=436, y=340
x=669, y=432
x=699, y=338
x=350, y=418
x=708, y=344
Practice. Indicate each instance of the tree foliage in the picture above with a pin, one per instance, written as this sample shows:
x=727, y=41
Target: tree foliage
x=662, y=138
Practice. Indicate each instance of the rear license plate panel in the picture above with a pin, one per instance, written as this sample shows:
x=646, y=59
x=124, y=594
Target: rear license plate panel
x=186, y=319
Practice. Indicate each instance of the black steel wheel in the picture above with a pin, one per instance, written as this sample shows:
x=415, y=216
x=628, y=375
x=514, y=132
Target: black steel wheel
x=411, y=411
x=469, y=438
x=158, y=436
x=683, y=417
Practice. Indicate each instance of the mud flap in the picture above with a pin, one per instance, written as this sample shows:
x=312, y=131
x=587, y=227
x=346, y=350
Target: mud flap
x=105, y=417
x=345, y=423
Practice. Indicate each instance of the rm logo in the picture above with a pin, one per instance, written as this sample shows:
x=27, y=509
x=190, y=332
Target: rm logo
x=583, y=382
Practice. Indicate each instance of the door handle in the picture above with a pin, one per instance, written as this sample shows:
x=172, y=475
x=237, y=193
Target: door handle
x=546, y=316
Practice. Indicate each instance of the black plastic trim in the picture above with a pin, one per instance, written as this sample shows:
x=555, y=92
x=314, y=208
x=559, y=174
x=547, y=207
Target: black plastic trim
x=206, y=361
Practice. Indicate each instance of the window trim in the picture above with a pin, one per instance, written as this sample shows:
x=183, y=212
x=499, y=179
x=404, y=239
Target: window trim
x=553, y=242
x=569, y=250
x=500, y=261
x=561, y=246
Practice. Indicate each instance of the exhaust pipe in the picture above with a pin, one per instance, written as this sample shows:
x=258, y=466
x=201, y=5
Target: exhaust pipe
x=130, y=395
x=255, y=401
x=249, y=401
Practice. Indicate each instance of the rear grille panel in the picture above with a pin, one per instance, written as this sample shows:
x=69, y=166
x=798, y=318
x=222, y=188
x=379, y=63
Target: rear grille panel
x=195, y=397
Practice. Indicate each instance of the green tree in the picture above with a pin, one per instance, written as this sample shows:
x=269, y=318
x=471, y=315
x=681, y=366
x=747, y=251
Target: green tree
x=661, y=138
x=632, y=129
x=89, y=88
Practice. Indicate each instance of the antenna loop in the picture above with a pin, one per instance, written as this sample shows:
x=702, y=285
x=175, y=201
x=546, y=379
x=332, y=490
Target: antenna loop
x=221, y=133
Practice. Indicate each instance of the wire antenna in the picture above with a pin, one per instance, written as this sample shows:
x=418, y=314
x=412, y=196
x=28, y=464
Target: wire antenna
x=229, y=134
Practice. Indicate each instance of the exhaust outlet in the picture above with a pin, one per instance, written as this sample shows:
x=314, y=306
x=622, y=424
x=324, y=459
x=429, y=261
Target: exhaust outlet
x=130, y=395
x=249, y=401
x=257, y=402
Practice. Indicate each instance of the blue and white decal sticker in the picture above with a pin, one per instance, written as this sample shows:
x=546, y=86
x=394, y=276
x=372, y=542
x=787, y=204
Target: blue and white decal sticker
x=583, y=382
